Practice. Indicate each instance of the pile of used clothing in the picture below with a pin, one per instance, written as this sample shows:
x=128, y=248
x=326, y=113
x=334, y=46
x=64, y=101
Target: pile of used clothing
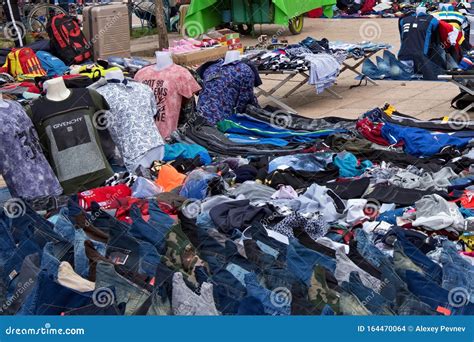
x=374, y=8
x=268, y=214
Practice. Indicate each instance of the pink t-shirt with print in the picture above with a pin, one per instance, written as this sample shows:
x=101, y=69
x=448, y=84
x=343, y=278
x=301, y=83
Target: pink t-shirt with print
x=169, y=86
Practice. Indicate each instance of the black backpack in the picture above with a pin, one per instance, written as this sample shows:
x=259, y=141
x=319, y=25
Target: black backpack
x=67, y=40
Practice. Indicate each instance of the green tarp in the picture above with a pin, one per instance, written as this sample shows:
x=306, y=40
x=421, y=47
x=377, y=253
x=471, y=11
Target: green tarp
x=204, y=14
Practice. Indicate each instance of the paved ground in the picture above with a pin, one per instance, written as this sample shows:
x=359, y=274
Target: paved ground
x=418, y=98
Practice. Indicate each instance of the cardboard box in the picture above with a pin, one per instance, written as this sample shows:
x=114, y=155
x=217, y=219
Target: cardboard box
x=200, y=56
x=229, y=34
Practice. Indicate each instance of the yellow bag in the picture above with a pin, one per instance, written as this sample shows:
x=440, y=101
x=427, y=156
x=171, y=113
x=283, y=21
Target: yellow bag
x=95, y=71
x=23, y=64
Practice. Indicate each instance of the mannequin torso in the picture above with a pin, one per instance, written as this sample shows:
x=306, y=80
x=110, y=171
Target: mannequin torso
x=420, y=10
x=231, y=56
x=56, y=89
x=115, y=75
x=163, y=60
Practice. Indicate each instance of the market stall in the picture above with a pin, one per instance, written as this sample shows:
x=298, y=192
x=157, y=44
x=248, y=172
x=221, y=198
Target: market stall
x=205, y=14
x=163, y=187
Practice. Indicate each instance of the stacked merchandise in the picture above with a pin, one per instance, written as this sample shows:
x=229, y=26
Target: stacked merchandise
x=310, y=55
x=362, y=217
x=228, y=38
x=358, y=50
x=373, y=9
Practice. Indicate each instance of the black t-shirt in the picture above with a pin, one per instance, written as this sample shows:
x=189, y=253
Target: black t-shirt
x=69, y=131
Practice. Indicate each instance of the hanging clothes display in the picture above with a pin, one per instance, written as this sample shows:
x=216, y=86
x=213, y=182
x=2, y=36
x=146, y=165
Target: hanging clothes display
x=228, y=88
x=22, y=163
x=68, y=131
x=418, y=34
x=130, y=120
x=169, y=85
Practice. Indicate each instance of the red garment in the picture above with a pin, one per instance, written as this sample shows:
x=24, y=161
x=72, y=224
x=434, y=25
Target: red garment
x=125, y=205
x=32, y=87
x=123, y=211
x=107, y=197
x=445, y=30
x=467, y=199
x=372, y=131
x=316, y=13
x=368, y=6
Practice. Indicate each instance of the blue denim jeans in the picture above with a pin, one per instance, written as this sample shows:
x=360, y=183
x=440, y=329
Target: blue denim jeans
x=125, y=291
x=12, y=264
x=371, y=70
x=312, y=162
x=149, y=259
x=251, y=306
x=301, y=261
x=51, y=298
x=217, y=255
x=76, y=236
x=430, y=268
x=435, y=296
x=398, y=70
x=31, y=225
x=7, y=243
x=392, y=282
x=228, y=291
x=154, y=231
x=4, y=196
x=376, y=303
x=457, y=272
x=271, y=304
x=383, y=66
